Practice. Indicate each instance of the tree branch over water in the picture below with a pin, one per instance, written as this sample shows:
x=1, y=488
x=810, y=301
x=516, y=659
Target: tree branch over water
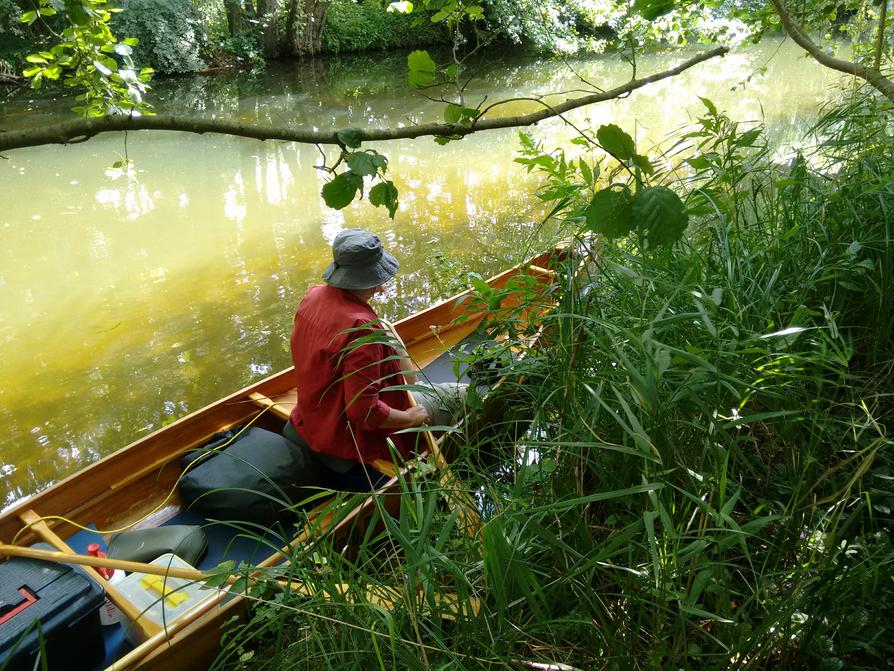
x=79, y=130
x=871, y=75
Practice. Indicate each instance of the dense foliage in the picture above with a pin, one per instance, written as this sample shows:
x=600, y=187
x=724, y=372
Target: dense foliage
x=169, y=34
x=362, y=26
x=13, y=43
x=705, y=481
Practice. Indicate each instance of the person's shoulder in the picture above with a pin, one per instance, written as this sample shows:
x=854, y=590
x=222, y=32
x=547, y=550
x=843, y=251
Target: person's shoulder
x=336, y=306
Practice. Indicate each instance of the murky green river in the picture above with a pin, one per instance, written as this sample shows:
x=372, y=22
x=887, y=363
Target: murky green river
x=127, y=301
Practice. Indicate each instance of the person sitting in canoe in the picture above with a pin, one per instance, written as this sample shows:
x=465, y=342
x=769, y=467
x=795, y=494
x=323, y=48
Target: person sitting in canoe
x=344, y=365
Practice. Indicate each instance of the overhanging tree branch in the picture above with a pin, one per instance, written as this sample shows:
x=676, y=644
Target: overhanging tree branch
x=79, y=130
x=872, y=75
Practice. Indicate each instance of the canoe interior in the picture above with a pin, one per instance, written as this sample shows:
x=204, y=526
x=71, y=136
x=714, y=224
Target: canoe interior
x=140, y=479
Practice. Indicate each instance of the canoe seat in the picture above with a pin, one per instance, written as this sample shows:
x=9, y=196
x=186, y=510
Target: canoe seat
x=280, y=405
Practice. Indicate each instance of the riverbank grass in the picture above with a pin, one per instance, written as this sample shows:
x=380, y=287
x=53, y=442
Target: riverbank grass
x=705, y=479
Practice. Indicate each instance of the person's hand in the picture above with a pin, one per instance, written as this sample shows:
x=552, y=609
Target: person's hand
x=418, y=415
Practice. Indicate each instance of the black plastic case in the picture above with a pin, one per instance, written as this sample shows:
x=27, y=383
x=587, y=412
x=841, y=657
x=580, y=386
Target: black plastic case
x=62, y=602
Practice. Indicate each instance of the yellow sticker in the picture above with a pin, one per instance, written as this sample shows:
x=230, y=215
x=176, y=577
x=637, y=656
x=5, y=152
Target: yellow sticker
x=157, y=584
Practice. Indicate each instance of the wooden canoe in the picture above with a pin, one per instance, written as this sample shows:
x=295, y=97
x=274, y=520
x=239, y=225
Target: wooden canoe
x=141, y=478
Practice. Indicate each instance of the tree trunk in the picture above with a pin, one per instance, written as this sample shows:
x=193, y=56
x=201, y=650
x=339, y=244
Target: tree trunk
x=312, y=39
x=235, y=20
x=267, y=12
x=287, y=38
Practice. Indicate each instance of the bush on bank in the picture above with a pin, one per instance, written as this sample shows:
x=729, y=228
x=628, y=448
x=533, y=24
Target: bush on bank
x=170, y=34
x=364, y=26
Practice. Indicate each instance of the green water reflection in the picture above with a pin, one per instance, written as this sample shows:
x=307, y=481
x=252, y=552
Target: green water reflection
x=127, y=301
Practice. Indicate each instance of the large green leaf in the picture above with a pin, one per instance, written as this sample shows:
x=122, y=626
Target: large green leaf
x=616, y=142
x=384, y=193
x=421, y=68
x=609, y=212
x=350, y=137
x=340, y=191
x=453, y=113
x=652, y=9
x=660, y=215
x=365, y=162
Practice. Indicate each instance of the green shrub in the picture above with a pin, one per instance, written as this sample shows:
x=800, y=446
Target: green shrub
x=12, y=39
x=361, y=26
x=169, y=32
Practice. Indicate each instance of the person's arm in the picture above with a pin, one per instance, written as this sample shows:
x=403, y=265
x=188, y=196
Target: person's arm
x=405, y=419
x=361, y=382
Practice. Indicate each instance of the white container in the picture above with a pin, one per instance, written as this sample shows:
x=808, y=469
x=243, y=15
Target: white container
x=162, y=599
x=109, y=613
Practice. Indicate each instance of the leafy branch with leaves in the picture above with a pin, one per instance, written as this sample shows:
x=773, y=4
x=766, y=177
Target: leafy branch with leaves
x=87, y=57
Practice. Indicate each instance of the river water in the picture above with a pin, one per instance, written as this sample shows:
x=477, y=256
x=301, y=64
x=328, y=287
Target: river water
x=129, y=300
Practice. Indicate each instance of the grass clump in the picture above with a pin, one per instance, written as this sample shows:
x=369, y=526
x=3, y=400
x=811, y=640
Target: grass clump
x=705, y=479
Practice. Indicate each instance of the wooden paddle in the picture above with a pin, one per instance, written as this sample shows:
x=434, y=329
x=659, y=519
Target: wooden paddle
x=448, y=480
x=386, y=597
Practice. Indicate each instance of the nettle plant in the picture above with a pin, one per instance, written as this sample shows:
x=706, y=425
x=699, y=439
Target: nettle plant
x=87, y=55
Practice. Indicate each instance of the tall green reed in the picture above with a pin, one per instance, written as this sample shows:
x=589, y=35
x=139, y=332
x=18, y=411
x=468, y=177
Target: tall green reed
x=698, y=472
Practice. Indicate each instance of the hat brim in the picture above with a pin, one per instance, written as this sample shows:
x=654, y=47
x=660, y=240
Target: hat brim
x=359, y=278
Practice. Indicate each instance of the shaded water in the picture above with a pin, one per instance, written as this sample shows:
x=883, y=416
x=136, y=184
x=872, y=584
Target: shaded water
x=127, y=301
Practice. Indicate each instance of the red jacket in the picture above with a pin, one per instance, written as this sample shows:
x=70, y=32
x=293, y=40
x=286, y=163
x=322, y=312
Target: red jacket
x=341, y=404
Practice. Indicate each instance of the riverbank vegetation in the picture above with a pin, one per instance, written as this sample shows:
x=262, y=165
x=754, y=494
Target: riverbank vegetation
x=700, y=470
x=705, y=481
x=180, y=36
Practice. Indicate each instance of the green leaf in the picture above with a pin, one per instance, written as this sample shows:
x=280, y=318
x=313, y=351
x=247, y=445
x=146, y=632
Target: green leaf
x=400, y=7
x=421, y=68
x=102, y=68
x=643, y=163
x=609, y=213
x=419, y=78
x=420, y=60
x=28, y=17
x=712, y=109
x=616, y=142
x=33, y=58
x=340, y=191
x=365, y=162
x=452, y=113
x=349, y=137
x=748, y=138
x=30, y=72
x=652, y=9
x=586, y=172
x=444, y=139
x=384, y=193
x=659, y=214
x=699, y=162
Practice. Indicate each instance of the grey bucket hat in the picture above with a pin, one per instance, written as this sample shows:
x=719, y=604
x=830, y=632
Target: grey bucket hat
x=359, y=261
